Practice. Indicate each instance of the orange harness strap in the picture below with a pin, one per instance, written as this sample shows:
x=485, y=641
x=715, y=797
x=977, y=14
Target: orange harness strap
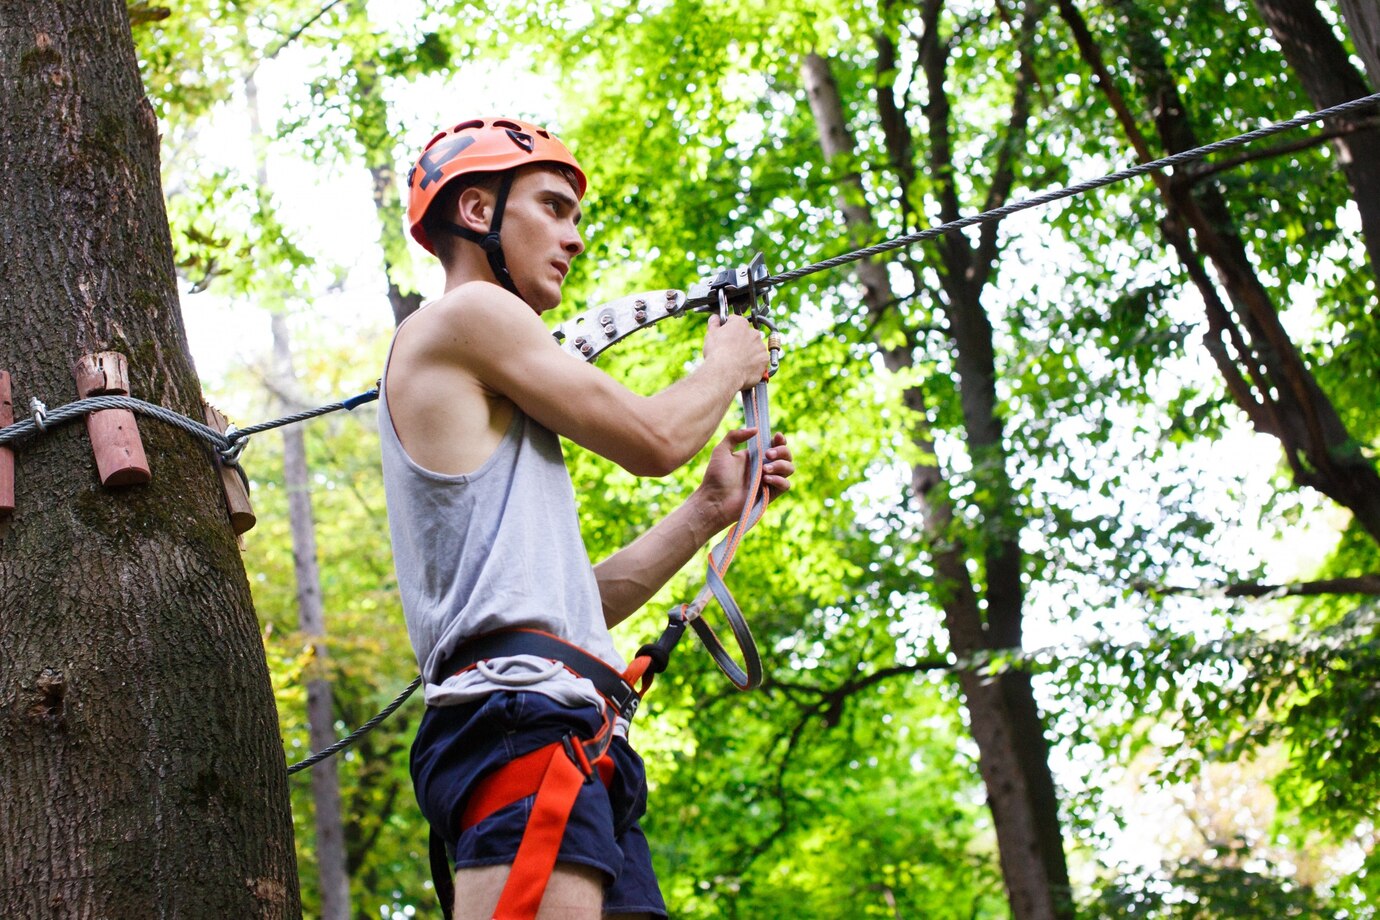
x=554, y=774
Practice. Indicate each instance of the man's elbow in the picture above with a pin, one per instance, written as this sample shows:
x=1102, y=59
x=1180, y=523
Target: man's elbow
x=656, y=454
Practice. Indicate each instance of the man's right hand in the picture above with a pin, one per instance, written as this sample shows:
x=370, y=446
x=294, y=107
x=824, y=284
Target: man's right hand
x=739, y=345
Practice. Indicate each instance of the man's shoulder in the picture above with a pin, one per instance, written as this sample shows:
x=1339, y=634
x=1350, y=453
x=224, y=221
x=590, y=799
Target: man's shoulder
x=477, y=301
x=469, y=323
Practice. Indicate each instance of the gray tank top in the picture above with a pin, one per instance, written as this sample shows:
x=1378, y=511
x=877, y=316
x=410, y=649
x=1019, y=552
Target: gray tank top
x=493, y=549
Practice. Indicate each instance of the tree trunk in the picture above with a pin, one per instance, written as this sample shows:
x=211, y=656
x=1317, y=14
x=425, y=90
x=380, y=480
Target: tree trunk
x=311, y=617
x=369, y=123
x=142, y=771
x=1031, y=856
x=1319, y=61
x=1363, y=22
x=1262, y=368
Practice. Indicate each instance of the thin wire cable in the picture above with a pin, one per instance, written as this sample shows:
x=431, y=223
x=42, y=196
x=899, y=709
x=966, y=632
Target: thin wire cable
x=1185, y=156
x=358, y=733
x=241, y=433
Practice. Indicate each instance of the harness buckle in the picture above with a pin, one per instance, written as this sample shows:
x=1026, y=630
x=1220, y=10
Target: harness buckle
x=585, y=755
x=575, y=750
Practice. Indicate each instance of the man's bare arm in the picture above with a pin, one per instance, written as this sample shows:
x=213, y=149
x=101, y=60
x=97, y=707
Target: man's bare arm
x=629, y=578
x=499, y=340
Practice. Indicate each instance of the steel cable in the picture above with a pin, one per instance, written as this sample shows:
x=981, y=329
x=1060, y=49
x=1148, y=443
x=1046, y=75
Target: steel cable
x=1185, y=156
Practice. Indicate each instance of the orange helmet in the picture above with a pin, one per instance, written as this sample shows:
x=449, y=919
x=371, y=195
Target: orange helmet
x=479, y=145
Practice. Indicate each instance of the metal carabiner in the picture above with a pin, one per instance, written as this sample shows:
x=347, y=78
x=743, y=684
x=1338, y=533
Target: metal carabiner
x=723, y=305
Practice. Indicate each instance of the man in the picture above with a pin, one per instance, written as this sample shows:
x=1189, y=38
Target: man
x=486, y=538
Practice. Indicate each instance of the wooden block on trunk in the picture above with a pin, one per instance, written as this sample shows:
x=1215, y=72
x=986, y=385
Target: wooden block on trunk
x=114, y=434
x=6, y=455
x=232, y=481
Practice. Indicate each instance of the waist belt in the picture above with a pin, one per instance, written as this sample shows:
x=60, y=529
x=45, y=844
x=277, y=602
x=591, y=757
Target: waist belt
x=619, y=692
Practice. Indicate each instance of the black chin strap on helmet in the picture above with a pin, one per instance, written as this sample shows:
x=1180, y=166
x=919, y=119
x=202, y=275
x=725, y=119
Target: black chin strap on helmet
x=490, y=242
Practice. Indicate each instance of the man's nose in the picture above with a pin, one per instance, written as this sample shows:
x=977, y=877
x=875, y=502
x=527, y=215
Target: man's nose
x=573, y=244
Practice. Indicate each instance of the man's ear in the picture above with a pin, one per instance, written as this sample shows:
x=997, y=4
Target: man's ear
x=475, y=209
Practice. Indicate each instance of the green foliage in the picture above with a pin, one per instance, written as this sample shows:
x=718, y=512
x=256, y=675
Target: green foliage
x=1201, y=891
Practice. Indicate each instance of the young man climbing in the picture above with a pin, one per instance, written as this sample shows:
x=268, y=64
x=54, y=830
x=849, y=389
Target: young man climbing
x=526, y=697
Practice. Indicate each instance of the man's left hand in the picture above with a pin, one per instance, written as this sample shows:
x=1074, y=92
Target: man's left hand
x=724, y=489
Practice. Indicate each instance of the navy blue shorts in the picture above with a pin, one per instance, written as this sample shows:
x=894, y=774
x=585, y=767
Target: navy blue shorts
x=456, y=746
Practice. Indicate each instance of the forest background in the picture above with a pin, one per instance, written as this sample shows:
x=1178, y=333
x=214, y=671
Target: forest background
x=1132, y=433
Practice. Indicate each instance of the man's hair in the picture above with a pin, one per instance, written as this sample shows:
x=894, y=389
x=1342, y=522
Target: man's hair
x=438, y=217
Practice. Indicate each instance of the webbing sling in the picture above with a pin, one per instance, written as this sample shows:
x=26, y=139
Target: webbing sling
x=749, y=674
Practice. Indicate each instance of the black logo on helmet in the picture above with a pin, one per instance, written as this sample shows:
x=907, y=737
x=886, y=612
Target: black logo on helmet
x=438, y=156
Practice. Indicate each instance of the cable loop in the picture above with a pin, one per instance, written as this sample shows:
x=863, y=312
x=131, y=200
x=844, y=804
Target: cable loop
x=40, y=412
x=230, y=456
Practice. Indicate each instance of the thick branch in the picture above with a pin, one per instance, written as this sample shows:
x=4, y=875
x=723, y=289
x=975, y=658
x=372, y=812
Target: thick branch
x=1207, y=170
x=1368, y=585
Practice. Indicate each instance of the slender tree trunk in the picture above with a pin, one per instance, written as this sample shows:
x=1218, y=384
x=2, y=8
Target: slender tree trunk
x=1319, y=61
x=1035, y=876
x=388, y=205
x=370, y=127
x=142, y=771
x=311, y=618
x=332, y=875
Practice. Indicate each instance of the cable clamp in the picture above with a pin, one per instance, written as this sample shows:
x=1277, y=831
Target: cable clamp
x=40, y=412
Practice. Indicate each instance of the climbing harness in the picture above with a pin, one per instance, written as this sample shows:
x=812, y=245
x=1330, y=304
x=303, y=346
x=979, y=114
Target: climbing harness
x=553, y=774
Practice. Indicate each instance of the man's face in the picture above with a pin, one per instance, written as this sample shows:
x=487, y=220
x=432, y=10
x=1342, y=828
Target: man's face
x=540, y=235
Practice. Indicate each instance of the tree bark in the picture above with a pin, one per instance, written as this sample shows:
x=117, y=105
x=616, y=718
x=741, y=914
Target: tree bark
x=1035, y=876
x=311, y=617
x=1363, y=22
x=142, y=769
x=1319, y=61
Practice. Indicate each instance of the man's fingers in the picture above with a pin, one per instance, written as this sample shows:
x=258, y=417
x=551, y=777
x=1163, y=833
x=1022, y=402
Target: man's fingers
x=779, y=450
x=740, y=436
